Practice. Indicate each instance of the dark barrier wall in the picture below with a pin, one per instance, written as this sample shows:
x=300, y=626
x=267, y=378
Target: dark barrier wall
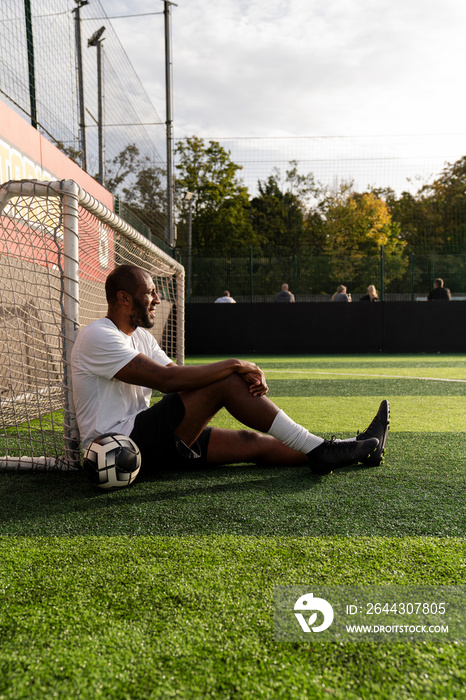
x=390, y=327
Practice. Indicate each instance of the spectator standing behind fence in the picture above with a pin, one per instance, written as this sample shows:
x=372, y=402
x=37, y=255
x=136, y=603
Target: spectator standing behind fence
x=371, y=294
x=439, y=292
x=225, y=299
x=341, y=294
x=285, y=295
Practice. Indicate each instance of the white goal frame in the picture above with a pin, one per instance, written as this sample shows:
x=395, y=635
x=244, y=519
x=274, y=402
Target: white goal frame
x=69, y=197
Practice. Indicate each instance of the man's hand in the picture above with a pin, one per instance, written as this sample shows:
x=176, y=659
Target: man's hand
x=257, y=383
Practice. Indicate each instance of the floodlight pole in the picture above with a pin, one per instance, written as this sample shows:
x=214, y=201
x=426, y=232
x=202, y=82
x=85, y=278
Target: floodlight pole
x=96, y=40
x=171, y=233
x=79, y=55
x=100, y=112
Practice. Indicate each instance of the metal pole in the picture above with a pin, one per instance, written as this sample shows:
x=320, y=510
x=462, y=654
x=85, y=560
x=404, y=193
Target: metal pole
x=412, y=276
x=382, y=288
x=190, y=245
x=180, y=317
x=100, y=118
x=31, y=68
x=96, y=41
x=171, y=234
x=70, y=191
x=79, y=55
x=251, y=280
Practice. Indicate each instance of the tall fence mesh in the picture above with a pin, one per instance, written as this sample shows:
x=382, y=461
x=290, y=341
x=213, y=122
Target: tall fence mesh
x=252, y=276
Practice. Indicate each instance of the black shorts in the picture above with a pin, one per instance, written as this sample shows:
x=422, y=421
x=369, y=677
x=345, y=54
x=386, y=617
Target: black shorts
x=161, y=450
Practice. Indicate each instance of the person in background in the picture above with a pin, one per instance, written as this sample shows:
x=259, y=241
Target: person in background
x=225, y=299
x=371, y=294
x=284, y=295
x=341, y=294
x=439, y=292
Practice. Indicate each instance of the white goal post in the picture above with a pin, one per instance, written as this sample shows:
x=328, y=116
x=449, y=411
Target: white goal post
x=57, y=246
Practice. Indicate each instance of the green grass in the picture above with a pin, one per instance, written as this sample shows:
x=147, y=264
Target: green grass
x=165, y=589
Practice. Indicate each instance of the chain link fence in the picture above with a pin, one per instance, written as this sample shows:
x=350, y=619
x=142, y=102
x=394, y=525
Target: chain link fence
x=39, y=79
x=253, y=277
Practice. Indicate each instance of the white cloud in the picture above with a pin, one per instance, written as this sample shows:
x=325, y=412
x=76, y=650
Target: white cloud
x=303, y=67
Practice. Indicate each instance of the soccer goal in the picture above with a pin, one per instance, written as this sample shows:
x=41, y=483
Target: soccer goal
x=57, y=246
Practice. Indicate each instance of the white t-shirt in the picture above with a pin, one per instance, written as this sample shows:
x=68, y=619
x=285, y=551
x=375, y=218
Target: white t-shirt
x=104, y=404
x=225, y=300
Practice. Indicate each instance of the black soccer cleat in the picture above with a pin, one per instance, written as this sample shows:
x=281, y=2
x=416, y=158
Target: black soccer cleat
x=379, y=429
x=332, y=455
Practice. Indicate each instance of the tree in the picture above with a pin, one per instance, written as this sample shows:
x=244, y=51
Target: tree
x=356, y=227
x=283, y=214
x=141, y=188
x=304, y=187
x=435, y=215
x=207, y=171
x=123, y=165
x=278, y=212
x=220, y=206
x=147, y=196
x=445, y=202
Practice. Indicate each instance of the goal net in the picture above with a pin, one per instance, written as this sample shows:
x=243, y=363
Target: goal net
x=57, y=246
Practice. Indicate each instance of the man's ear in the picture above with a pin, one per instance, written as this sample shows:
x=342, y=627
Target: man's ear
x=123, y=297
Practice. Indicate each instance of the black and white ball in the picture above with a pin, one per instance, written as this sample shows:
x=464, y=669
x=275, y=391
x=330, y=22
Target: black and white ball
x=112, y=461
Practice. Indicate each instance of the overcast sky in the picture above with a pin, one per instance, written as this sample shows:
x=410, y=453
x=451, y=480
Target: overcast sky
x=303, y=67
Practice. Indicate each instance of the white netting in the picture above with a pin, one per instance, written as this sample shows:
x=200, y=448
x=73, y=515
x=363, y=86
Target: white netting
x=97, y=240
x=36, y=415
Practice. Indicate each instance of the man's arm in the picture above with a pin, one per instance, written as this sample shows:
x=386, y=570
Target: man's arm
x=143, y=371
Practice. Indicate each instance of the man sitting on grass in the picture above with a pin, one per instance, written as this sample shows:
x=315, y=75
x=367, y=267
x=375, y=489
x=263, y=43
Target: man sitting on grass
x=116, y=363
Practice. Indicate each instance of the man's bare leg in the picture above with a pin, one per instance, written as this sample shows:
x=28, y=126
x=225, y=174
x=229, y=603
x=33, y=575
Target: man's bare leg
x=261, y=414
x=232, y=393
x=233, y=446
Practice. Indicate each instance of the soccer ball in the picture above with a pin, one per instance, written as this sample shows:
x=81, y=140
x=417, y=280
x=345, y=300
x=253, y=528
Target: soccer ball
x=112, y=461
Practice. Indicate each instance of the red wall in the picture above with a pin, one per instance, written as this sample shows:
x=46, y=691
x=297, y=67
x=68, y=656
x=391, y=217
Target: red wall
x=25, y=154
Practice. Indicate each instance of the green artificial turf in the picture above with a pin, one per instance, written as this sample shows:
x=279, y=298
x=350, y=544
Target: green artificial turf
x=192, y=617
x=165, y=589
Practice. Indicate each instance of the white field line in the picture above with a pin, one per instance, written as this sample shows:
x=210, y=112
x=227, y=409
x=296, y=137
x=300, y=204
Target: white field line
x=364, y=374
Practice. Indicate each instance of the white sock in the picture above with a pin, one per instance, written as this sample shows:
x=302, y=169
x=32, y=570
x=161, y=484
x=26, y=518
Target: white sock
x=292, y=434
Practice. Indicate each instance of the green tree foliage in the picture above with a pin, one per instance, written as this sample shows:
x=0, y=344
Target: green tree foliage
x=123, y=166
x=420, y=221
x=147, y=197
x=141, y=188
x=356, y=226
x=443, y=205
x=435, y=216
x=207, y=171
x=277, y=216
x=280, y=211
x=220, y=205
x=294, y=225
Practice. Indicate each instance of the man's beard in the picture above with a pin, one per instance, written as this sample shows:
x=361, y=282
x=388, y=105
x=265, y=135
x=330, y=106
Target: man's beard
x=140, y=316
